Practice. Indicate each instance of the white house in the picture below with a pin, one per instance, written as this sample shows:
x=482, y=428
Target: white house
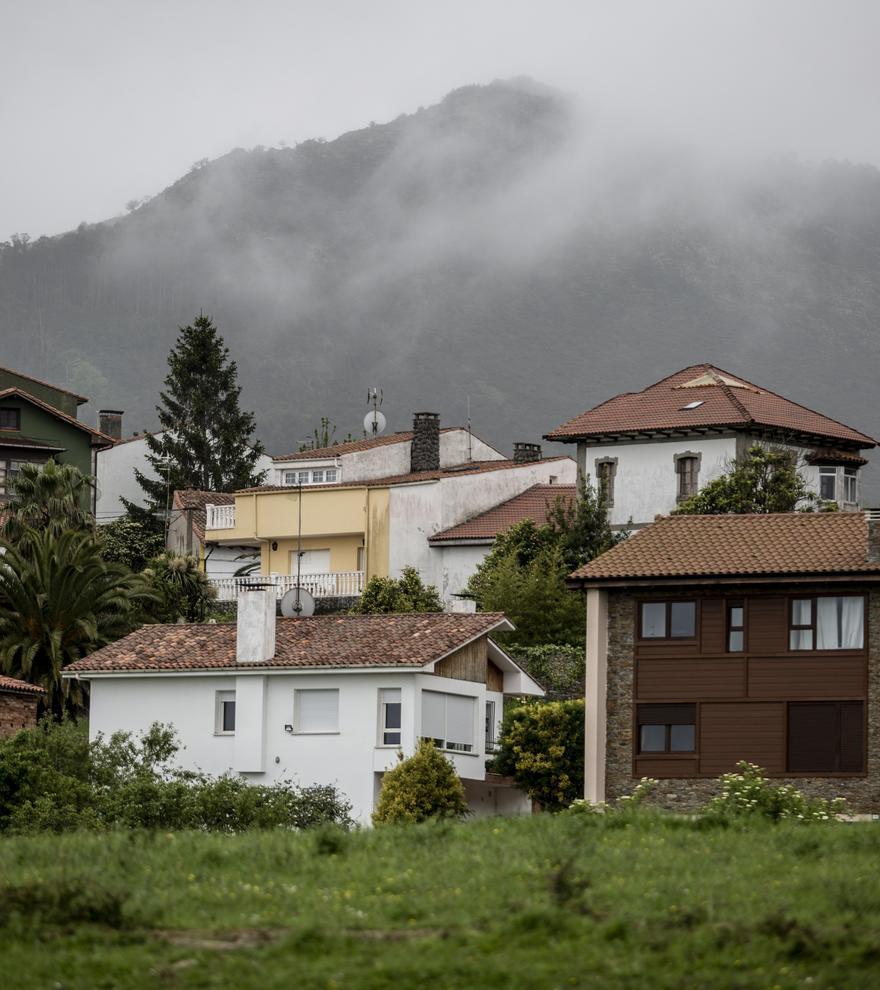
x=655, y=448
x=329, y=699
x=186, y=535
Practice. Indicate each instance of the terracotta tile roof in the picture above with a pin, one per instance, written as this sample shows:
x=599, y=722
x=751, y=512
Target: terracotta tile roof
x=198, y=501
x=834, y=455
x=353, y=446
x=321, y=641
x=534, y=503
x=475, y=467
x=792, y=543
x=80, y=399
x=19, y=687
x=98, y=439
x=725, y=400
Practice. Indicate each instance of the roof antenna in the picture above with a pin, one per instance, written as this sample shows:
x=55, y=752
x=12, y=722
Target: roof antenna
x=374, y=421
x=470, y=454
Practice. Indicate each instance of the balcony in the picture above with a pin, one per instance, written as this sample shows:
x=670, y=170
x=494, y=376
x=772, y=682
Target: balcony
x=333, y=584
x=220, y=517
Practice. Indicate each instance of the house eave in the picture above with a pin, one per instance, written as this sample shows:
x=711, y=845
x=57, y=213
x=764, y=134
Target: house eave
x=849, y=577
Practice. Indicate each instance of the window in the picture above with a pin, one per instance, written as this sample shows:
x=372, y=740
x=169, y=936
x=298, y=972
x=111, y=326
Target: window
x=828, y=483
x=736, y=633
x=224, y=713
x=829, y=623
x=316, y=711
x=490, y=726
x=605, y=473
x=667, y=728
x=317, y=477
x=9, y=471
x=290, y=477
x=693, y=405
x=826, y=736
x=330, y=476
x=668, y=620
x=850, y=485
x=10, y=419
x=448, y=720
x=390, y=710
x=688, y=469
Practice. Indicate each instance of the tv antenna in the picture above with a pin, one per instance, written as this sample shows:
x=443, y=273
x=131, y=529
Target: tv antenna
x=374, y=421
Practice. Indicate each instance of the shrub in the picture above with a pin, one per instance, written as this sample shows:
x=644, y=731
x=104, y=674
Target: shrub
x=542, y=748
x=748, y=794
x=384, y=595
x=559, y=669
x=419, y=788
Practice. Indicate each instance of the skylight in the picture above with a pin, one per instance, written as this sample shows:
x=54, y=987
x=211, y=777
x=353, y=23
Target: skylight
x=693, y=405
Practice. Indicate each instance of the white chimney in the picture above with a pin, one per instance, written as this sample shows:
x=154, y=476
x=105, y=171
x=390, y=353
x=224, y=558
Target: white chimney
x=255, y=639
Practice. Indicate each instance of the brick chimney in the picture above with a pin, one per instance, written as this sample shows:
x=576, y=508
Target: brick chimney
x=873, y=517
x=255, y=633
x=425, y=455
x=525, y=453
x=110, y=422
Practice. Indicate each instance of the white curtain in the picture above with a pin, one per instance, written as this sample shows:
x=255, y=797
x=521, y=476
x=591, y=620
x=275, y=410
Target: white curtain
x=852, y=623
x=840, y=623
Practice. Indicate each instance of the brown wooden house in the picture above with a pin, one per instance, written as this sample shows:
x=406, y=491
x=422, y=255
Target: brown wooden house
x=715, y=639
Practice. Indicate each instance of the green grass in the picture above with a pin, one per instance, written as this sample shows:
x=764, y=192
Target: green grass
x=529, y=903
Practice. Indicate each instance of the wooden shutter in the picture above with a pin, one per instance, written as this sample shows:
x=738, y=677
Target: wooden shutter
x=852, y=736
x=813, y=736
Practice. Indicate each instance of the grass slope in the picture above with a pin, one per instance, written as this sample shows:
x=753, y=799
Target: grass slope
x=530, y=903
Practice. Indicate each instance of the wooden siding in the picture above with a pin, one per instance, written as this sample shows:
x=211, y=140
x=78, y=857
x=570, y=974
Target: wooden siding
x=796, y=677
x=767, y=625
x=690, y=679
x=713, y=626
x=494, y=677
x=660, y=768
x=753, y=731
x=470, y=663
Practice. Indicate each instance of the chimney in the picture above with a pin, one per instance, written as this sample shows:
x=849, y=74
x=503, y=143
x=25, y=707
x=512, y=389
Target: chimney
x=526, y=453
x=873, y=517
x=255, y=636
x=425, y=454
x=110, y=422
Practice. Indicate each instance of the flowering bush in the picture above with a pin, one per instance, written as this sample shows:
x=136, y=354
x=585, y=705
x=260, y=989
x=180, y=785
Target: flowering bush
x=750, y=794
x=626, y=804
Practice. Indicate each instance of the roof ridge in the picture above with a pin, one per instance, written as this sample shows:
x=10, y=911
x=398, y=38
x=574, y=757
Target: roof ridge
x=42, y=381
x=55, y=411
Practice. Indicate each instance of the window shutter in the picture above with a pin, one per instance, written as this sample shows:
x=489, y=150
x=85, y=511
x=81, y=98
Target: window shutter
x=459, y=722
x=317, y=711
x=433, y=715
x=852, y=736
x=812, y=736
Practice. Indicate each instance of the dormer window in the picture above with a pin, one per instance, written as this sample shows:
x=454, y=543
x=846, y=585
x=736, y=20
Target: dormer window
x=310, y=476
x=694, y=405
x=10, y=419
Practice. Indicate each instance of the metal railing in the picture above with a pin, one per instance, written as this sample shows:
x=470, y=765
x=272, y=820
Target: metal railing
x=332, y=584
x=220, y=517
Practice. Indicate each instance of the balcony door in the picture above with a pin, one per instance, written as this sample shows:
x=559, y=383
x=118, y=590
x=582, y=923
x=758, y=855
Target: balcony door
x=311, y=562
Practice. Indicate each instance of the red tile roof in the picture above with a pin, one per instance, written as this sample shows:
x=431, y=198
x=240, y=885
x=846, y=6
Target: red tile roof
x=198, y=501
x=534, y=503
x=353, y=446
x=474, y=467
x=19, y=687
x=834, y=455
x=409, y=640
x=98, y=439
x=725, y=400
x=795, y=543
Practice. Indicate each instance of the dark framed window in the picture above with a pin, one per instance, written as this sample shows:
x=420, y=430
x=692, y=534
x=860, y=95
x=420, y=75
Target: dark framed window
x=828, y=483
x=605, y=472
x=828, y=622
x=667, y=728
x=688, y=471
x=10, y=419
x=668, y=620
x=736, y=627
x=851, y=485
x=826, y=736
x=390, y=715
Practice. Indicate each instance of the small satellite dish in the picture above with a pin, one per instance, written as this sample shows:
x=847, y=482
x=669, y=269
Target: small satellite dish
x=374, y=423
x=301, y=597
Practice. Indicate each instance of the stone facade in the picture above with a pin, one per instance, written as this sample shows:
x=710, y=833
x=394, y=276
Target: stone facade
x=425, y=450
x=17, y=711
x=861, y=793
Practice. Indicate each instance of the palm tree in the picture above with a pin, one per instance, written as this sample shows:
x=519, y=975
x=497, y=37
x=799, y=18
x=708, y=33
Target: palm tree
x=59, y=601
x=48, y=496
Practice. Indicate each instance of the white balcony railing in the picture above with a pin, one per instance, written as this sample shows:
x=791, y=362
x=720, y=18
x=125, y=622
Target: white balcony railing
x=333, y=584
x=220, y=517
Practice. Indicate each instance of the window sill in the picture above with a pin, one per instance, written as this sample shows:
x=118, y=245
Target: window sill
x=224, y=733
x=329, y=732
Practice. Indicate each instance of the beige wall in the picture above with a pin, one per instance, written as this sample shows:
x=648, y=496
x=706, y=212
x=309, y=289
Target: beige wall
x=343, y=553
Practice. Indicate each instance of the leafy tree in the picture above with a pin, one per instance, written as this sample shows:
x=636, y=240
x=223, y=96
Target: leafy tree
x=558, y=668
x=420, y=788
x=52, y=497
x=130, y=542
x=205, y=441
x=582, y=526
x=542, y=748
x=404, y=594
x=520, y=543
x=763, y=480
x=181, y=589
x=59, y=601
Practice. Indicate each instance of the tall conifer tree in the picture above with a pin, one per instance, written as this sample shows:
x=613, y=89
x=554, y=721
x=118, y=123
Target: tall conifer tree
x=205, y=439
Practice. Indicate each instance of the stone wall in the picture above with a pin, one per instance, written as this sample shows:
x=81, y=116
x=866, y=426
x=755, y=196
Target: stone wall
x=862, y=793
x=425, y=450
x=17, y=711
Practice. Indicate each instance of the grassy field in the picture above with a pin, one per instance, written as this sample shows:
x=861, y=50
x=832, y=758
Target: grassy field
x=530, y=903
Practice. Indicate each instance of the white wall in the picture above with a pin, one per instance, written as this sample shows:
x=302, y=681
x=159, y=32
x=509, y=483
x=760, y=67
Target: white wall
x=222, y=561
x=350, y=759
x=645, y=483
x=115, y=470
x=456, y=565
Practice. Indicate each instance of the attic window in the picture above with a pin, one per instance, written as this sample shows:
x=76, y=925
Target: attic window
x=694, y=405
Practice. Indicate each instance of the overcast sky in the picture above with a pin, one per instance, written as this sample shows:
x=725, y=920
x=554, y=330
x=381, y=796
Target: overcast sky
x=104, y=101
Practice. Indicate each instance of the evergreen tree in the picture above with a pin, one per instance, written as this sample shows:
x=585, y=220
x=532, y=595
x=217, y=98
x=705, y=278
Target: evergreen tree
x=205, y=440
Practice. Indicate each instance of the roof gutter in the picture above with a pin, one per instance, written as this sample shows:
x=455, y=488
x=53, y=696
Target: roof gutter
x=819, y=577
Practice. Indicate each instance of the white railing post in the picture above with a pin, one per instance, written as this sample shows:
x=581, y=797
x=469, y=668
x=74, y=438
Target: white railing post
x=329, y=584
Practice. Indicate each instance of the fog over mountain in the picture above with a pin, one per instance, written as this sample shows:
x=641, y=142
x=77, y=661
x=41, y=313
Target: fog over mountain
x=510, y=244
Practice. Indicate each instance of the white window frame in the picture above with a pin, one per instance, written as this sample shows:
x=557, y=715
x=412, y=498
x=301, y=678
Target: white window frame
x=828, y=472
x=491, y=726
x=221, y=698
x=327, y=472
x=384, y=728
x=297, y=712
x=444, y=742
x=851, y=481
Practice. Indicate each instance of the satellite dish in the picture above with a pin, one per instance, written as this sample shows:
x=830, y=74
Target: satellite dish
x=374, y=423
x=303, y=598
